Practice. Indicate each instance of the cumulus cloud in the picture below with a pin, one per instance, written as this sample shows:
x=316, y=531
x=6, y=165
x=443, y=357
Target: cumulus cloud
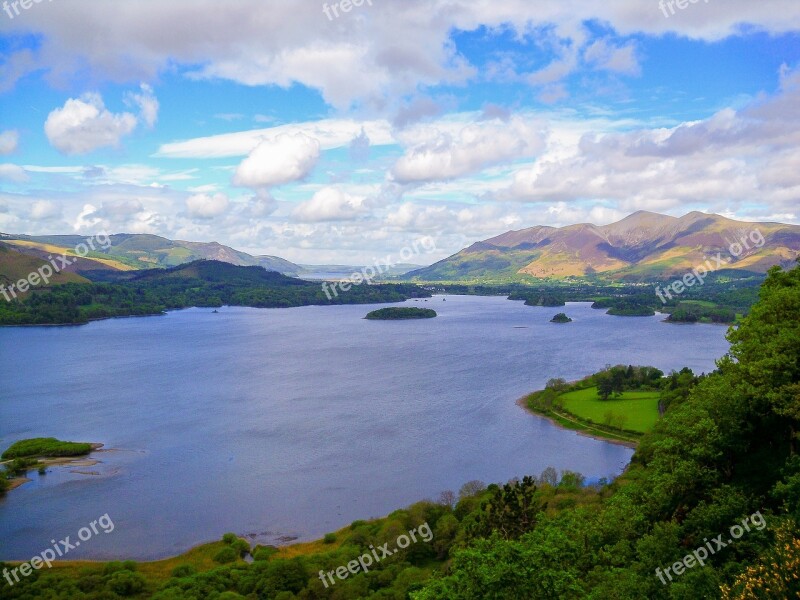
x=207, y=206
x=118, y=210
x=445, y=155
x=387, y=52
x=9, y=140
x=731, y=159
x=14, y=173
x=284, y=43
x=261, y=205
x=44, y=210
x=417, y=110
x=281, y=160
x=330, y=204
x=84, y=124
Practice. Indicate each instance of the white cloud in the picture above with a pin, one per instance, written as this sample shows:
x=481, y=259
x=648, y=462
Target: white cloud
x=391, y=50
x=330, y=204
x=330, y=133
x=445, y=156
x=207, y=206
x=602, y=54
x=281, y=160
x=83, y=125
x=13, y=173
x=9, y=140
x=735, y=159
x=261, y=205
x=44, y=210
x=147, y=103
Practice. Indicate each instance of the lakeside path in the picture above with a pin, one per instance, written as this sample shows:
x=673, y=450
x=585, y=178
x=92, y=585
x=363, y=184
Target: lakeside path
x=581, y=428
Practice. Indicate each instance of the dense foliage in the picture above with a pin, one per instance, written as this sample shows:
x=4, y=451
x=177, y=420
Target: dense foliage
x=45, y=447
x=202, y=283
x=561, y=318
x=538, y=298
x=395, y=313
x=727, y=450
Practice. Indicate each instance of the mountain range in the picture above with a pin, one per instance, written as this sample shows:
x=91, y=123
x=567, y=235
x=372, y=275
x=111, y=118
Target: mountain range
x=138, y=251
x=642, y=246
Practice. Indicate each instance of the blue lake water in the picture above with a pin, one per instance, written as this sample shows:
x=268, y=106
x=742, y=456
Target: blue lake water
x=295, y=422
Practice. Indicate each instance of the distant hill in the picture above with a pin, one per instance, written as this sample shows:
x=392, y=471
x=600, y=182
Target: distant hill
x=144, y=251
x=642, y=246
x=202, y=283
x=15, y=266
x=215, y=271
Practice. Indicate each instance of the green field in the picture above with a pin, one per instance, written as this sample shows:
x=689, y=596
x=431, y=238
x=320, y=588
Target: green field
x=639, y=409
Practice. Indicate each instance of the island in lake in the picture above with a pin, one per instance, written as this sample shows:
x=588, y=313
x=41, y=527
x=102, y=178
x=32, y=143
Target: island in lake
x=561, y=318
x=398, y=313
x=38, y=453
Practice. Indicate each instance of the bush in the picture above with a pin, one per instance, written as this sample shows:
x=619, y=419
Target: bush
x=126, y=583
x=329, y=538
x=226, y=555
x=183, y=571
x=241, y=546
x=20, y=466
x=229, y=538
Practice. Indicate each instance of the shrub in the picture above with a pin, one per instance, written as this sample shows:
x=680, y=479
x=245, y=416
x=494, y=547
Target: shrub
x=329, y=538
x=183, y=571
x=226, y=555
x=229, y=538
x=241, y=546
x=115, y=566
x=126, y=583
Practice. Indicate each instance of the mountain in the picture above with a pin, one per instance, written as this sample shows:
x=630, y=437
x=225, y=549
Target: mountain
x=642, y=246
x=143, y=251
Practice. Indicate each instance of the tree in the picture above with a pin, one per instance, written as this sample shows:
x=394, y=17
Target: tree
x=605, y=387
x=557, y=384
x=549, y=476
x=511, y=511
x=471, y=488
x=447, y=498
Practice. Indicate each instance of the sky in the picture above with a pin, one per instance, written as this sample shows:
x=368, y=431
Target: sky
x=337, y=132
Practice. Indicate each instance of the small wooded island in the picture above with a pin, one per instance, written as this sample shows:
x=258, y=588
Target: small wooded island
x=398, y=313
x=561, y=318
x=37, y=453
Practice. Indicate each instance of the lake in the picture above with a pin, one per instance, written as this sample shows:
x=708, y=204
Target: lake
x=283, y=423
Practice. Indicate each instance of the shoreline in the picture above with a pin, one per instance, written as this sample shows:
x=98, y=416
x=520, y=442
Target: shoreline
x=522, y=403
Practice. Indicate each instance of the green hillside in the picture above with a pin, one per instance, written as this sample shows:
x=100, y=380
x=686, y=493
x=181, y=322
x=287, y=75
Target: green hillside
x=200, y=283
x=15, y=266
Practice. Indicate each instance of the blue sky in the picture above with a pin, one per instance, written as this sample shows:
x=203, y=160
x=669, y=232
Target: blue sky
x=269, y=127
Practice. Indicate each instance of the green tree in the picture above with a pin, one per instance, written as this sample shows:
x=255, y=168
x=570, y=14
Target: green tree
x=511, y=511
